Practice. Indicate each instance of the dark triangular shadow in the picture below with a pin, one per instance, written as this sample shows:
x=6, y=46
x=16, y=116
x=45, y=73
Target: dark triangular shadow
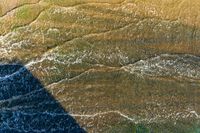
x=25, y=105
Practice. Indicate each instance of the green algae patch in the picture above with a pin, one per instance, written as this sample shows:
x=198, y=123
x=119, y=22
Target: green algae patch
x=28, y=12
x=168, y=127
x=77, y=2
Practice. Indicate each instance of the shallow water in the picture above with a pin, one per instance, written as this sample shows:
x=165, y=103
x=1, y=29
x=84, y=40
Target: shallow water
x=100, y=66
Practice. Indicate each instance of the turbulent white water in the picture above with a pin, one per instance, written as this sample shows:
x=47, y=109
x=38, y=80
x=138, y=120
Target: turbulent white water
x=165, y=65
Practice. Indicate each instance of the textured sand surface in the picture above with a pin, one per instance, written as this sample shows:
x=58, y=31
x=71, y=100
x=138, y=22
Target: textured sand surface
x=113, y=65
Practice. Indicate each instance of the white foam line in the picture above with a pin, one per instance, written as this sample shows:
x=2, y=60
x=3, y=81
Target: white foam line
x=127, y=117
x=70, y=79
x=103, y=113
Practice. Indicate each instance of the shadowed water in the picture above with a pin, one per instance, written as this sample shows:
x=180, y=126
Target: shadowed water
x=26, y=106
